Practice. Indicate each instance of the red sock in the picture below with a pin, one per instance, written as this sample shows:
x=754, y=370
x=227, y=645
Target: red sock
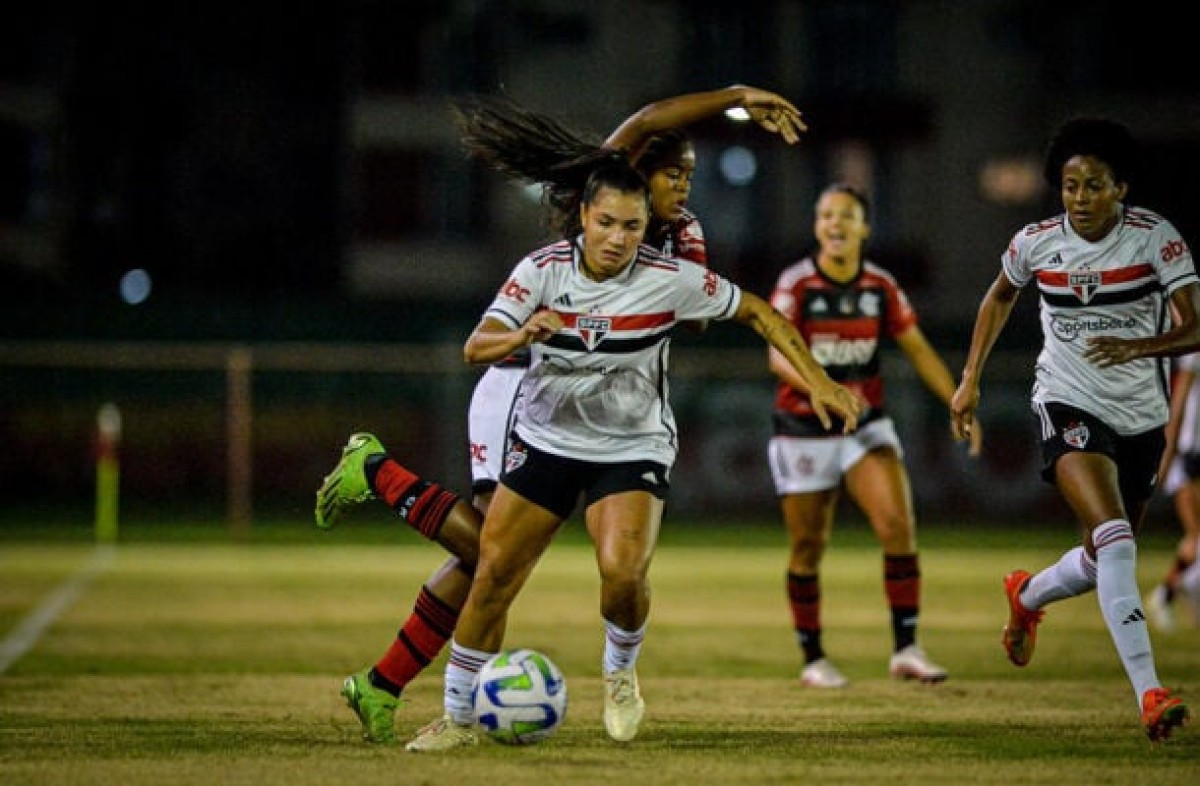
x=392, y=480
x=422, y=503
x=424, y=634
x=804, y=599
x=902, y=585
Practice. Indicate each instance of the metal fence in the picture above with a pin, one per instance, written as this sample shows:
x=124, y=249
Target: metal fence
x=251, y=426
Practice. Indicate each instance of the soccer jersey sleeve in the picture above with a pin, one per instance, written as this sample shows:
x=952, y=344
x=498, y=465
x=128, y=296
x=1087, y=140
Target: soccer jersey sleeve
x=519, y=296
x=704, y=294
x=1015, y=259
x=1172, y=259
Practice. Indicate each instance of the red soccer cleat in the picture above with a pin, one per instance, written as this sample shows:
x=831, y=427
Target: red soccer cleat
x=1162, y=712
x=1020, y=634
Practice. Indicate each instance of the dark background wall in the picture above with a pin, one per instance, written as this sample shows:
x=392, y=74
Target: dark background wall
x=280, y=174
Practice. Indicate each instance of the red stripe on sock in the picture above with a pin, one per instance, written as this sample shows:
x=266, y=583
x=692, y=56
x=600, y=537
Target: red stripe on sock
x=418, y=642
x=804, y=599
x=902, y=581
x=392, y=481
x=431, y=509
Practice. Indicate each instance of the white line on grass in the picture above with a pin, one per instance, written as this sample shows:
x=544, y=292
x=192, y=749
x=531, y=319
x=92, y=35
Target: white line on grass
x=26, y=634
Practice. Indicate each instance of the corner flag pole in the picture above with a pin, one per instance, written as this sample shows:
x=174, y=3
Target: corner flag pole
x=108, y=437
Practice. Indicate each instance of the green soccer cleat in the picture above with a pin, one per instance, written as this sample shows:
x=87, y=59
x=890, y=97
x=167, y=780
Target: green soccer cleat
x=375, y=708
x=347, y=484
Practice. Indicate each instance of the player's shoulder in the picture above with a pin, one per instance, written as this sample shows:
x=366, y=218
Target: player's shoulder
x=797, y=273
x=558, y=252
x=873, y=273
x=1041, y=230
x=652, y=260
x=1140, y=219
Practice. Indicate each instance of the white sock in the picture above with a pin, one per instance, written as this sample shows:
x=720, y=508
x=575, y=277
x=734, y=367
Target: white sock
x=1121, y=603
x=621, y=647
x=462, y=669
x=1073, y=574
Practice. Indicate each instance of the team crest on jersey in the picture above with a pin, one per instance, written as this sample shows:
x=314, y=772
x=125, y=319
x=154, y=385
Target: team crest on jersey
x=1076, y=435
x=868, y=304
x=1084, y=284
x=515, y=457
x=593, y=330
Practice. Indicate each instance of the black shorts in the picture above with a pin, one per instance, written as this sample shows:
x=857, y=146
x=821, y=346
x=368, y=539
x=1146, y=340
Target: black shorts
x=1066, y=429
x=556, y=483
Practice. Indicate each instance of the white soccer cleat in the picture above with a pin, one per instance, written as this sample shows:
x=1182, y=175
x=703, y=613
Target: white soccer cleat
x=1162, y=615
x=822, y=674
x=623, y=705
x=911, y=663
x=443, y=735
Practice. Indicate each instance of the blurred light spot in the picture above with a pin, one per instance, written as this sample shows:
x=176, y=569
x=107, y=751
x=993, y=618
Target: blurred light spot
x=738, y=165
x=737, y=113
x=532, y=192
x=1012, y=181
x=135, y=286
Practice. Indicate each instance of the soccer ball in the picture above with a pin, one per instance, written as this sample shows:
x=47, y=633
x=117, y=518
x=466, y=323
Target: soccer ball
x=520, y=697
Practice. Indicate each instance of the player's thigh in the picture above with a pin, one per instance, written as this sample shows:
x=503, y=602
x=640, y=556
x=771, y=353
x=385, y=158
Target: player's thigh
x=624, y=527
x=514, y=537
x=879, y=485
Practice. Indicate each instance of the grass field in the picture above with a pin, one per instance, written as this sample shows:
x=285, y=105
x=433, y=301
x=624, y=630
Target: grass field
x=190, y=660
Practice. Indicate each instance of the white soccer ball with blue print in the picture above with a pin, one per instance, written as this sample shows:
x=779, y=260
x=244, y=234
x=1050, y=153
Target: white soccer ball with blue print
x=520, y=697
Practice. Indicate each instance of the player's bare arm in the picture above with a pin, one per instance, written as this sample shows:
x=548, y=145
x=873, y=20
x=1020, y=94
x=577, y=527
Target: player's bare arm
x=824, y=393
x=492, y=340
x=932, y=370
x=770, y=111
x=1182, y=339
x=993, y=314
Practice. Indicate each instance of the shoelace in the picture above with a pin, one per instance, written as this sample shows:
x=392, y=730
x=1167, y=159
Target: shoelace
x=622, y=689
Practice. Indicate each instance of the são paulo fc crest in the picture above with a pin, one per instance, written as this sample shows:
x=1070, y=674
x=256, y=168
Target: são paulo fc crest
x=1084, y=284
x=1076, y=435
x=515, y=457
x=593, y=330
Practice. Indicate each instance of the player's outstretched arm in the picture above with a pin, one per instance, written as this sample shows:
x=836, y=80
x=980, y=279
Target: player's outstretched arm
x=823, y=392
x=771, y=111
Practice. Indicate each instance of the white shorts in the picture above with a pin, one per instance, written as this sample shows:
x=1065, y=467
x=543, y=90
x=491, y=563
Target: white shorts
x=495, y=404
x=803, y=464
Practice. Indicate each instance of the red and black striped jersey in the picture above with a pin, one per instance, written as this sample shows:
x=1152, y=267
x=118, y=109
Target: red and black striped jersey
x=845, y=326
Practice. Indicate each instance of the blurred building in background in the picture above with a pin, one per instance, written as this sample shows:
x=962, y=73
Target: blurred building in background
x=242, y=173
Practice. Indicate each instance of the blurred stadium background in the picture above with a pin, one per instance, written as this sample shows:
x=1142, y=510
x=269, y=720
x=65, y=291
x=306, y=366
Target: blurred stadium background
x=253, y=230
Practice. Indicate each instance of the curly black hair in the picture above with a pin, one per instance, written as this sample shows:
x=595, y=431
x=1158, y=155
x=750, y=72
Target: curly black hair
x=1100, y=138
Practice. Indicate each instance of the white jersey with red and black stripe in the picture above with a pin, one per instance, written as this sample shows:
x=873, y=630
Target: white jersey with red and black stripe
x=1117, y=286
x=845, y=325
x=597, y=389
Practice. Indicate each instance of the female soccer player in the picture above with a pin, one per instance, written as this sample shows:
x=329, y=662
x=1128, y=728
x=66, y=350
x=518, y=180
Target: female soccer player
x=845, y=307
x=534, y=148
x=1104, y=272
x=598, y=312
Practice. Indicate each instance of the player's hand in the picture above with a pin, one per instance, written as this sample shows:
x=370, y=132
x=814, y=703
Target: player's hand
x=1107, y=351
x=774, y=113
x=832, y=396
x=963, y=405
x=541, y=326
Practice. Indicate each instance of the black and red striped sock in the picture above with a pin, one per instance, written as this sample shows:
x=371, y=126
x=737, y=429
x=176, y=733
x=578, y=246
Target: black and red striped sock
x=417, y=643
x=804, y=600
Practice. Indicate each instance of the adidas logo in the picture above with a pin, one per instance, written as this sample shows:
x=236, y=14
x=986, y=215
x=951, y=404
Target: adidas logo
x=563, y=299
x=1055, y=261
x=1134, y=616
